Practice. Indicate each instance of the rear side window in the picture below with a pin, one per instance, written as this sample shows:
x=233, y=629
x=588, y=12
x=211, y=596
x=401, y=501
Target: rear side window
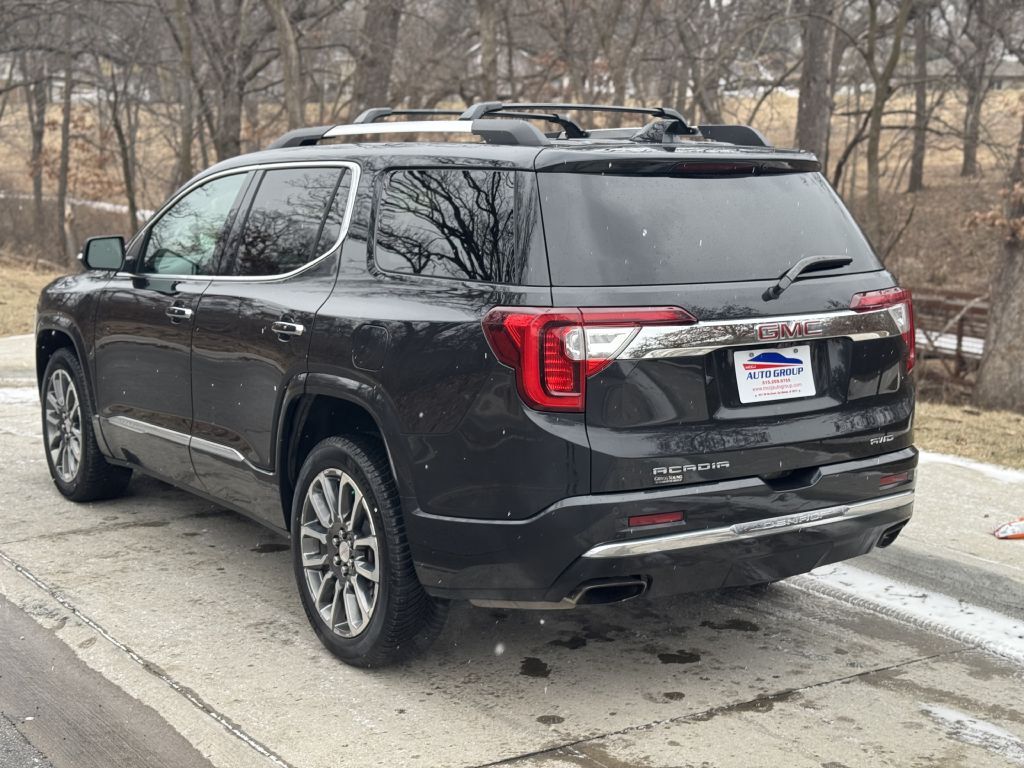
x=652, y=230
x=451, y=223
x=293, y=219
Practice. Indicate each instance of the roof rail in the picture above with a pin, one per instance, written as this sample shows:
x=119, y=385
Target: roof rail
x=493, y=131
x=301, y=137
x=484, y=108
x=373, y=114
x=506, y=123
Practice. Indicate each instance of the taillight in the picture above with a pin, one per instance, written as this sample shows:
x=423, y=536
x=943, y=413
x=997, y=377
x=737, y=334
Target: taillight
x=901, y=308
x=553, y=351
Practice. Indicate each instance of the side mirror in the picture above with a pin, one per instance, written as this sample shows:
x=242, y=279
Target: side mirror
x=103, y=253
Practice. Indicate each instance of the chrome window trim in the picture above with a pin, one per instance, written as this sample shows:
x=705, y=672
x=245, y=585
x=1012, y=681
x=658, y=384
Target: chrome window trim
x=751, y=530
x=345, y=223
x=180, y=438
x=701, y=338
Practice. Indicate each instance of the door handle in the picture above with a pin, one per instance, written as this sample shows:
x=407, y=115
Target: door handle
x=282, y=328
x=179, y=313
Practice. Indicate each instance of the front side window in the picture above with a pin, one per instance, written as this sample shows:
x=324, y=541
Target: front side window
x=450, y=223
x=185, y=240
x=295, y=216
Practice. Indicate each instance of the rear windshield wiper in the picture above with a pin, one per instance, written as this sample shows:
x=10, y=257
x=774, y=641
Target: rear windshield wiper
x=805, y=264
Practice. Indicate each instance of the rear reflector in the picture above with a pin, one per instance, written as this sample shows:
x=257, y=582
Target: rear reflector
x=554, y=350
x=895, y=479
x=900, y=306
x=656, y=519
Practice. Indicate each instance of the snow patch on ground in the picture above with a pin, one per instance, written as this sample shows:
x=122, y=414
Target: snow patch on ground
x=980, y=733
x=996, y=472
x=934, y=611
x=18, y=395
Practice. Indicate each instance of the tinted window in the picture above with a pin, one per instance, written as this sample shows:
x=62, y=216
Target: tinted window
x=184, y=240
x=282, y=230
x=651, y=230
x=449, y=223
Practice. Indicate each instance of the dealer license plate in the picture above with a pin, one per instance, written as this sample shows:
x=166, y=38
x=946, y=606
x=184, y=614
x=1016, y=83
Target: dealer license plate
x=774, y=374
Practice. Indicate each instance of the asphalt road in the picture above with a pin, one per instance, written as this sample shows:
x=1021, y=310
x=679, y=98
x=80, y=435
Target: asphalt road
x=160, y=630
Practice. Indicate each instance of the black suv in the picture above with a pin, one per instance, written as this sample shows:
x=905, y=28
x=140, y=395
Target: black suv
x=533, y=371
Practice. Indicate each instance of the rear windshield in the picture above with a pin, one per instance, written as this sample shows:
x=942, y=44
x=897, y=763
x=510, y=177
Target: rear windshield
x=650, y=230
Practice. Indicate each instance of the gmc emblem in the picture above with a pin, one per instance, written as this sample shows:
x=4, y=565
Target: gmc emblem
x=793, y=329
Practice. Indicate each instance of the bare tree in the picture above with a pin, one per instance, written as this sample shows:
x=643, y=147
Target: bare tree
x=291, y=63
x=375, y=55
x=971, y=46
x=37, y=97
x=487, y=13
x=881, y=67
x=1001, y=376
x=814, y=108
x=63, y=209
x=917, y=153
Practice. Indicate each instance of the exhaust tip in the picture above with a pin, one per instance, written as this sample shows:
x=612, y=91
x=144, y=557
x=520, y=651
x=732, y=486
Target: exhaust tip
x=609, y=591
x=890, y=534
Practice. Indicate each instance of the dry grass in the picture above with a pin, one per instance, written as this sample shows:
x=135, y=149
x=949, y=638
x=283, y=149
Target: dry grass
x=993, y=436
x=18, y=296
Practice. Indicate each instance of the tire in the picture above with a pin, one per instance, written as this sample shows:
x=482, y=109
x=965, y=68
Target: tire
x=67, y=412
x=335, y=562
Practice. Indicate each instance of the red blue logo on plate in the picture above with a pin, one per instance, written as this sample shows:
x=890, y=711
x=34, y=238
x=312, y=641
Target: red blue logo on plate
x=769, y=361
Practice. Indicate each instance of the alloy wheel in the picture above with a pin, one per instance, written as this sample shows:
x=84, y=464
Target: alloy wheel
x=63, y=425
x=339, y=549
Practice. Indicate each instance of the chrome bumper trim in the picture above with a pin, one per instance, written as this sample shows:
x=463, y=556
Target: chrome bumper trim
x=751, y=530
x=655, y=341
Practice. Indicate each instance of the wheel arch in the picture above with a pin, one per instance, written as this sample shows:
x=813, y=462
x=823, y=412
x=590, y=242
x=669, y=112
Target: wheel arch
x=54, y=333
x=333, y=405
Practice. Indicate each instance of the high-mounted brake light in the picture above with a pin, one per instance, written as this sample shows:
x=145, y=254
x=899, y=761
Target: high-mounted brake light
x=555, y=350
x=900, y=306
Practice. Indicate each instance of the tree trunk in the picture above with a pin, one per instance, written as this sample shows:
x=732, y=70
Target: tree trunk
x=976, y=91
x=814, y=108
x=372, y=78
x=487, y=12
x=36, y=98
x=63, y=210
x=227, y=137
x=125, y=143
x=287, y=43
x=1001, y=377
x=186, y=110
x=882, y=81
x=510, y=63
x=916, y=182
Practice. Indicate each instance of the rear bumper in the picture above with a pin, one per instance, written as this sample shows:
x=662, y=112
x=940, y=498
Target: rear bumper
x=735, y=532
x=771, y=526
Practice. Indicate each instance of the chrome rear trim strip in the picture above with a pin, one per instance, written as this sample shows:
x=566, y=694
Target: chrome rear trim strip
x=751, y=530
x=701, y=338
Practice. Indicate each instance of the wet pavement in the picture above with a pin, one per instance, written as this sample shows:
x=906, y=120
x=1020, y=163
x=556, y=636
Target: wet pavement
x=190, y=613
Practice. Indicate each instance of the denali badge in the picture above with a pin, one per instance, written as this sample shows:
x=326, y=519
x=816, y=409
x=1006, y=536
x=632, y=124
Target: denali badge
x=792, y=329
x=675, y=474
